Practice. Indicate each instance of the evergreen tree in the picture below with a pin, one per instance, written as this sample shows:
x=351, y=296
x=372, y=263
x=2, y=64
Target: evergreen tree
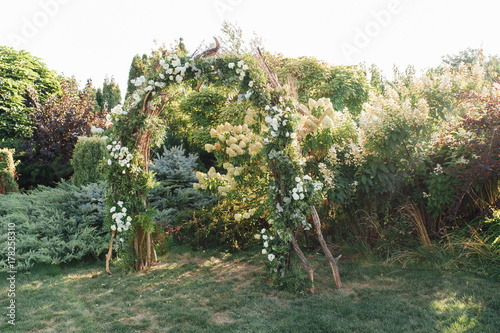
x=99, y=101
x=137, y=68
x=111, y=95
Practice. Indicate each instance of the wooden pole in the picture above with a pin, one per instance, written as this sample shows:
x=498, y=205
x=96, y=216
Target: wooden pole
x=333, y=261
x=110, y=251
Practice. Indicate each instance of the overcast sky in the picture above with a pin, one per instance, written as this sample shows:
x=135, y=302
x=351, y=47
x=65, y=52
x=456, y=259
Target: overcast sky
x=95, y=38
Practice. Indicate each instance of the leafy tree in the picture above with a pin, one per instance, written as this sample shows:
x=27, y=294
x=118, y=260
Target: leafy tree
x=19, y=70
x=346, y=86
x=58, y=123
x=469, y=56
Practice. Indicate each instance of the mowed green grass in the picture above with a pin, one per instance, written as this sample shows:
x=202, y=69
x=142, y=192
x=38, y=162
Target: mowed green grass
x=220, y=292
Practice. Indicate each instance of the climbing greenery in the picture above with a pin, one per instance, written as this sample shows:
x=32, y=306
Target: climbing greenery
x=139, y=125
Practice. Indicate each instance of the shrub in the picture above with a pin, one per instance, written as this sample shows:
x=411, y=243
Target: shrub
x=88, y=160
x=54, y=225
x=7, y=172
x=175, y=195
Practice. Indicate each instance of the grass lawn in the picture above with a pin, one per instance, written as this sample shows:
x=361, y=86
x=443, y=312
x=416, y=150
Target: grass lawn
x=219, y=292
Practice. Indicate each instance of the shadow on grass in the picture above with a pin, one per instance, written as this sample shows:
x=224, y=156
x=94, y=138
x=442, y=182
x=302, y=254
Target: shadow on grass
x=218, y=292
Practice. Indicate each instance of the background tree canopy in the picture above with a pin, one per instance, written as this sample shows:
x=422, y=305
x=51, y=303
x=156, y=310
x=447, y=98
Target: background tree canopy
x=19, y=70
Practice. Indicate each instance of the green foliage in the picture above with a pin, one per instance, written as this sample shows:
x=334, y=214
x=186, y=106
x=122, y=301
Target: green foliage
x=469, y=56
x=88, y=160
x=346, y=86
x=174, y=195
x=233, y=43
x=54, y=225
x=137, y=69
x=7, y=171
x=57, y=124
x=109, y=96
x=203, y=108
x=19, y=70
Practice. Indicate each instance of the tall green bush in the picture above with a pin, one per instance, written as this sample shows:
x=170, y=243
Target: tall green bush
x=7, y=171
x=88, y=160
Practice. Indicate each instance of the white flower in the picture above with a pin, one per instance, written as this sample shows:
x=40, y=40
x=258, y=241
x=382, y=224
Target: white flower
x=250, y=84
x=124, y=210
x=263, y=231
x=238, y=217
x=264, y=237
x=121, y=240
x=120, y=203
x=112, y=209
x=266, y=244
x=96, y=130
x=113, y=227
x=271, y=256
x=245, y=67
x=264, y=251
x=129, y=219
x=256, y=236
x=109, y=162
x=178, y=78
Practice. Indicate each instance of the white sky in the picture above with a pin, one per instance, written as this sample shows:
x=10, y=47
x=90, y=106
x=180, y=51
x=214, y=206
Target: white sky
x=95, y=38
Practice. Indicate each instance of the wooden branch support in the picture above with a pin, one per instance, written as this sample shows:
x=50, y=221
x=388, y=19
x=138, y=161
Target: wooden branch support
x=333, y=261
x=148, y=249
x=110, y=251
x=307, y=266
